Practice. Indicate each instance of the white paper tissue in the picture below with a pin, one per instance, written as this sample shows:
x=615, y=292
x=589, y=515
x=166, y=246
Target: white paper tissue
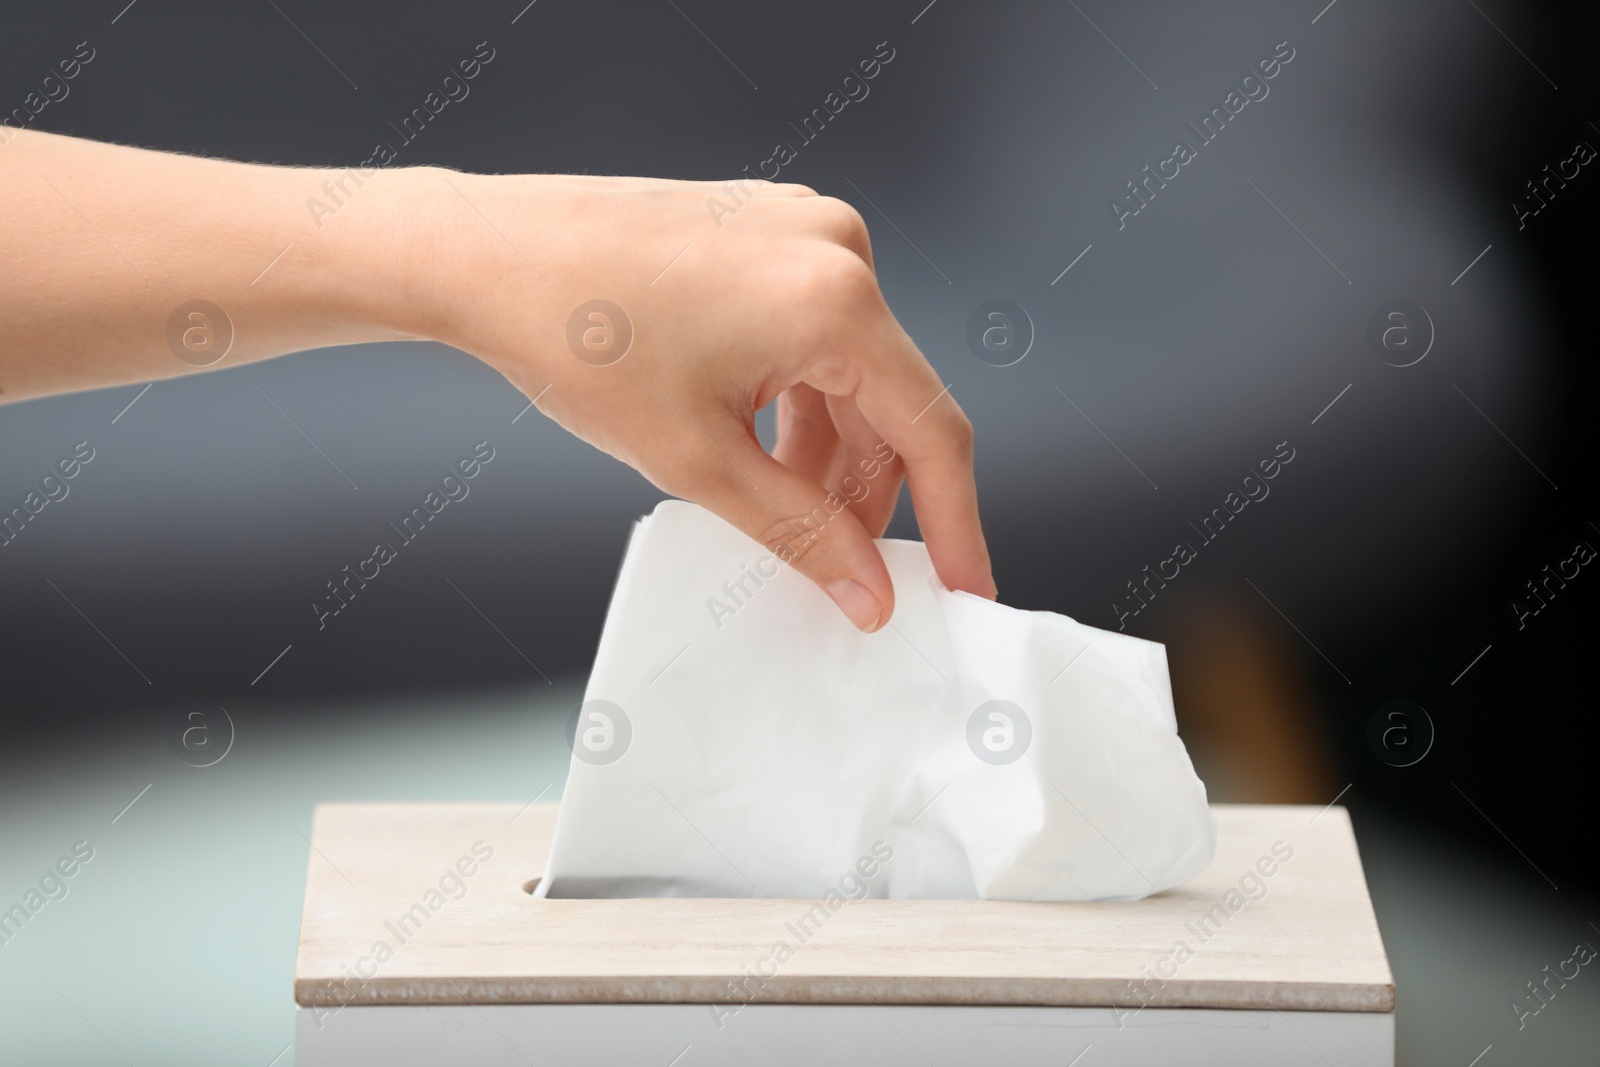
x=740, y=738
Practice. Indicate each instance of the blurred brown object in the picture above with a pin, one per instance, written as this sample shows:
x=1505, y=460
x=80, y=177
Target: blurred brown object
x=1244, y=708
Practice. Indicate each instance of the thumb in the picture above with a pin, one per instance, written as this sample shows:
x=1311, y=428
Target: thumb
x=808, y=528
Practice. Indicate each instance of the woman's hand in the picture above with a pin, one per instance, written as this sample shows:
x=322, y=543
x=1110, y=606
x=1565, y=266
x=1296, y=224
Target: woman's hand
x=654, y=318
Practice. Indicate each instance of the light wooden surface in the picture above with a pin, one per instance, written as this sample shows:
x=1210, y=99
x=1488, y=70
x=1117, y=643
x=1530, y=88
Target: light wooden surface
x=1310, y=943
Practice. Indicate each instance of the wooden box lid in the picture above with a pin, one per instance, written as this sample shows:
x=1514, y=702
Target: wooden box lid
x=414, y=904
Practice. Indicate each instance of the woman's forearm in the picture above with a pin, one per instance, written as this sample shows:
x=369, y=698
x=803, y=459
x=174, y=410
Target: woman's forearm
x=103, y=245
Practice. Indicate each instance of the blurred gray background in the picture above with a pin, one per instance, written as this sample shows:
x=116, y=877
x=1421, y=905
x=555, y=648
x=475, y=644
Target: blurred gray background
x=1223, y=319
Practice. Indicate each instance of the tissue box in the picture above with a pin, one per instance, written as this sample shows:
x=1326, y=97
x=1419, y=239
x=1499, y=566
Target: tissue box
x=421, y=942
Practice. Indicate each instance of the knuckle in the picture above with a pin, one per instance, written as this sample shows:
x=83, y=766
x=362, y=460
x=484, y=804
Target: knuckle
x=961, y=445
x=833, y=301
x=955, y=437
x=830, y=277
x=844, y=224
x=961, y=433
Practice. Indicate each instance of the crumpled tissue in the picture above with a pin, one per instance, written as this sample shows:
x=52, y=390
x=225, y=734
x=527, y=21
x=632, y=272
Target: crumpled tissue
x=740, y=738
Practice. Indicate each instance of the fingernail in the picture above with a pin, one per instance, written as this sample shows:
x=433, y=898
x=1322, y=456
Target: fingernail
x=858, y=604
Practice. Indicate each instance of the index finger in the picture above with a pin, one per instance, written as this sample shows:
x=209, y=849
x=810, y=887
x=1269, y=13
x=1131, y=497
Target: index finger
x=904, y=400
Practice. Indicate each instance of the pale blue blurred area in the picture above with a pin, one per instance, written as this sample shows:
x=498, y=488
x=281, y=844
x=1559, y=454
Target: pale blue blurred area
x=177, y=941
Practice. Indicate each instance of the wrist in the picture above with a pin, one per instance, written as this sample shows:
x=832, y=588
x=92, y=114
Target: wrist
x=392, y=253
x=451, y=257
